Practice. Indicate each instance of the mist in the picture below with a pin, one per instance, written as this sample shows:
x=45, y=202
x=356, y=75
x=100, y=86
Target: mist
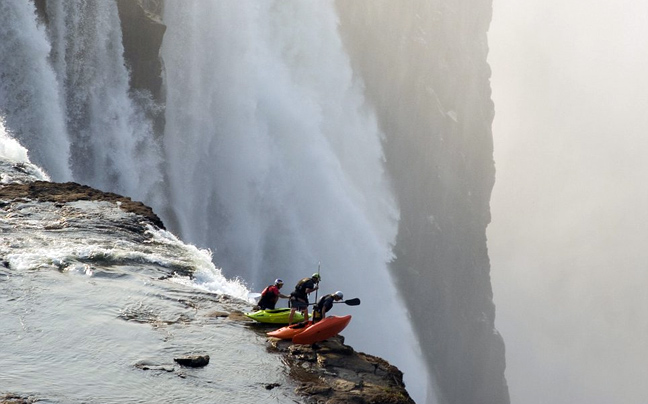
x=567, y=241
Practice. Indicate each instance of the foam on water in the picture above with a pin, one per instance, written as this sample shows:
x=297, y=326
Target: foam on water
x=13, y=153
x=206, y=275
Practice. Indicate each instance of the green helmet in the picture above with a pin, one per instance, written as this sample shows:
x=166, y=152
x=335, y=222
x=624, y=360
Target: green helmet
x=317, y=276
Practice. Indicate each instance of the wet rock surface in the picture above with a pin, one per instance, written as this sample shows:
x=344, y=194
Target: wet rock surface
x=45, y=191
x=330, y=372
x=193, y=361
x=16, y=399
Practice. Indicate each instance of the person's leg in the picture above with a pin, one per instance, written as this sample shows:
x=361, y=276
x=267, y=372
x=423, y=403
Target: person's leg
x=292, y=313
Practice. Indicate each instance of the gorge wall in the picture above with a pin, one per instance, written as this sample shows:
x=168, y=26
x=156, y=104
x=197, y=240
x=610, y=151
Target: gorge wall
x=424, y=67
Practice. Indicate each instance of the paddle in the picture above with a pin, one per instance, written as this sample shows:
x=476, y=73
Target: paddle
x=350, y=302
x=318, y=272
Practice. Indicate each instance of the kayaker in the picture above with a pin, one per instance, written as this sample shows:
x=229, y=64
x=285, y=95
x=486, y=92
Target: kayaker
x=299, y=297
x=325, y=304
x=271, y=295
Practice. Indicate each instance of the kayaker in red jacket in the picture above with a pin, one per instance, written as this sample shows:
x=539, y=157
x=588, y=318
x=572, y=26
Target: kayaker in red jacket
x=325, y=304
x=271, y=295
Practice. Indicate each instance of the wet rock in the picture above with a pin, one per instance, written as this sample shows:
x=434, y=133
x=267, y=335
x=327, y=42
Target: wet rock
x=148, y=365
x=193, y=361
x=313, y=389
x=218, y=314
x=10, y=398
x=238, y=316
x=71, y=192
x=330, y=372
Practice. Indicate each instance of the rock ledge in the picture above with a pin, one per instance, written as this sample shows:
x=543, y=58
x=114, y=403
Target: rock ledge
x=70, y=192
x=330, y=372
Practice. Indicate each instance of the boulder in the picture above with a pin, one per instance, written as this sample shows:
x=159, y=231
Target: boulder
x=193, y=361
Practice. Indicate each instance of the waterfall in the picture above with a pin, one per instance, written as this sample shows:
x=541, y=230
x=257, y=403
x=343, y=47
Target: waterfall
x=271, y=156
x=70, y=104
x=29, y=94
x=112, y=142
x=275, y=160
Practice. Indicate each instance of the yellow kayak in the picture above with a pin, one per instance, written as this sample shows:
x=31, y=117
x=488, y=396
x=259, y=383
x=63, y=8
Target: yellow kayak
x=275, y=316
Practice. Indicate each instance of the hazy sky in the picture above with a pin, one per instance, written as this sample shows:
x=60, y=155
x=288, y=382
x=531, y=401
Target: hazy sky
x=569, y=235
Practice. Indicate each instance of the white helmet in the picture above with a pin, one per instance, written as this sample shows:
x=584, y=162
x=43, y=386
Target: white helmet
x=338, y=295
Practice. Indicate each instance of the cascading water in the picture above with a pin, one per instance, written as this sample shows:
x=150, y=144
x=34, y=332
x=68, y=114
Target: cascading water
x=112, y=141
x=275, y=160
x=70, y=103
x=29, y=97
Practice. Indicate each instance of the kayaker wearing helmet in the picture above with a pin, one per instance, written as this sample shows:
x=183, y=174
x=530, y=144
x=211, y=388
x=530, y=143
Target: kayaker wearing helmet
x=299, y=297
x=325, y=304
x=271, y=295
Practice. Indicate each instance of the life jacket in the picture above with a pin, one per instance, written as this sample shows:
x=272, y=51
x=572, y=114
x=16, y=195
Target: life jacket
x=301, y=286
x=265, y=291
x=268, y=299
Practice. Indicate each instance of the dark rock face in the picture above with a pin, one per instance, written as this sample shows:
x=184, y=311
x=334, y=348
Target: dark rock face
x=69, y=192
x=333, y=373
x=40, y=9
x=425, y=71
x=143, y=31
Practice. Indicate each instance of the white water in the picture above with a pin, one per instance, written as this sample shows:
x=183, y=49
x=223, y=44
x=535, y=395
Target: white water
x=112, y=142
x=29, y=98
x=13, y=153
x=275, y=160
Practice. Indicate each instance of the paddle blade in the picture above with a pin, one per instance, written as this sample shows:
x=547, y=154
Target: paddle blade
x=352, y=302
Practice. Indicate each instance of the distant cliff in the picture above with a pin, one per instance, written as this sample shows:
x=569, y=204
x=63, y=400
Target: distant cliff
x=425, y=70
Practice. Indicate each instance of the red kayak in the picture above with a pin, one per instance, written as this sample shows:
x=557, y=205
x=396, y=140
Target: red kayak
x=289, y=331
x=322, y=330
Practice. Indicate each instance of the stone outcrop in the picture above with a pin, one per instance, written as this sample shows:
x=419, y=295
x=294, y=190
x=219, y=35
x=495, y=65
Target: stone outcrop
x=70, y=192
x=330, y=372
